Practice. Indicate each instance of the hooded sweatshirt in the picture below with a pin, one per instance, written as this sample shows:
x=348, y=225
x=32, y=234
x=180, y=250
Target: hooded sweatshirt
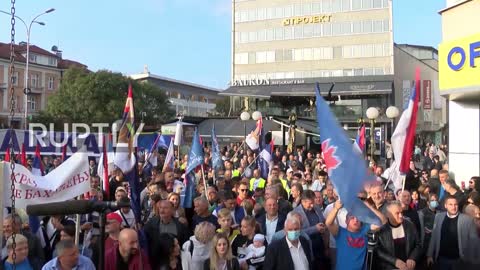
x=193, y=259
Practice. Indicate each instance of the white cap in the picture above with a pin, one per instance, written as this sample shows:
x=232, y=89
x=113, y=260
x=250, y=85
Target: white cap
x=259, y=237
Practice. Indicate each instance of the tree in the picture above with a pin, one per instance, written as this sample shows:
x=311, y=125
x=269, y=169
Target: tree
x=99, y=97
x=222, y=106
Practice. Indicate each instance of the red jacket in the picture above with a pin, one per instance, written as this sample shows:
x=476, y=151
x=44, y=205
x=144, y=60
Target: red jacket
x=111, y=257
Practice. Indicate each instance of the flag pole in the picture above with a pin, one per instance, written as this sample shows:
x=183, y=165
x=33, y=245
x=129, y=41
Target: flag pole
x=204, y=182
x=251, y=163
x=404, y=180
x=77, y=226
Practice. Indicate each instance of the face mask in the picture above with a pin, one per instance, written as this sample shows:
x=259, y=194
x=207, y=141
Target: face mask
x=293, y=235
x=433, y=204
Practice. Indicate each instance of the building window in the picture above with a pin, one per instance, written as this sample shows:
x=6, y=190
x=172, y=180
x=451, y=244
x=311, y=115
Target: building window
x=278, y=12
x=241, y=58
x=316, y=8
x=288, y=33
x=261, y=35
x=356, y=4
x=308, y=31
x=346, y=28
x=270, y=56
x=15, y=78
x=326, y=6
x=297, y=9
x=307, y=8
x=243, y=16
x=34, y=81
x=251, y=58
x=252, y=15
x=307, y=54
x=357, y=27
x=298, y=32
x=366, y=4
x=32, y=58
x=52, y=61
x=270, y=35
x=368, y=71
x=261, y=57
x=32, y=104
x=297, y=54
x=51, y=83
x=336, y=5
x=336, y=29
x=327, y=29
x=317, y=30
x=243, y=37
x=279, y=55
x=288, y=55
x=367, y=26
x=269, y=13
x=278, y=33
x=358, y=72
x=261, y=13
x=377, y=3
x=378, y=26
x=386, y=25
x=288, y=11
x=252, y=36
x=346, y=5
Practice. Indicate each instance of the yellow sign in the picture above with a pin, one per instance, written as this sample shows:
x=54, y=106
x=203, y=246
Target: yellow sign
x=459, y=63
x=307, y=20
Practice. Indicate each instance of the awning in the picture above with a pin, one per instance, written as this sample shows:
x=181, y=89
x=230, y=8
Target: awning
x=232, y=129
x=308, y=89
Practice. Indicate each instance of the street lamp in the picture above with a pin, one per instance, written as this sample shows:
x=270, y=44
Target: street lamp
x=245, y=116
x=392, y=113
x=372, y=114
x=28, y=27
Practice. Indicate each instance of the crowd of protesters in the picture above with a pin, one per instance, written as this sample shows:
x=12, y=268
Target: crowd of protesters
x=293, y=219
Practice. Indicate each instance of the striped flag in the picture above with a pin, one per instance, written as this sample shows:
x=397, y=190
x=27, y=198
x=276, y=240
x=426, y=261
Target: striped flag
x=216, y=156
x=124, y=156
x=169, y=158
x=24, y=156
x=102, y=170
x=403, y=138
x=37, y=166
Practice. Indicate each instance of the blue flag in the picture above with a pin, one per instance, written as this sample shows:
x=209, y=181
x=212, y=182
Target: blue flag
x=135, y=189
x=346, y=169
x=216, y=157
x=195, y=159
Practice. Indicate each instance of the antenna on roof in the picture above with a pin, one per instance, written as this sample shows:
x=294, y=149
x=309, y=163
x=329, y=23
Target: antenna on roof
x=57, y=51
x=145, y=69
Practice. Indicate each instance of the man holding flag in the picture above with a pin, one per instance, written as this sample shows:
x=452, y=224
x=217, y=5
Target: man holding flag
x=348, y=174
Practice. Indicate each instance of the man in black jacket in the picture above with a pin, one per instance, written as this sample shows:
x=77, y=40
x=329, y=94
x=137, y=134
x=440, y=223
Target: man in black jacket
x=290, y=253
x=398, y=242
x=164, y=223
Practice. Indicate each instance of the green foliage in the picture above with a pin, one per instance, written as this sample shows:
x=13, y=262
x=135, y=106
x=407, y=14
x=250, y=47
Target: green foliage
x=222, y=106
x=99, y=97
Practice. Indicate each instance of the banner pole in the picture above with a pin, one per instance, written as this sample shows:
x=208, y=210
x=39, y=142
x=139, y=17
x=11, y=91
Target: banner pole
x=77, y=226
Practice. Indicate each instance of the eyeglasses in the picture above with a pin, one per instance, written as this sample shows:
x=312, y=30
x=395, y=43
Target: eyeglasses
x=243, y=190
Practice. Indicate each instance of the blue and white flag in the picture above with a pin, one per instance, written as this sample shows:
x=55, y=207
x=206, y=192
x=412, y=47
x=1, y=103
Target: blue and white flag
x=195, y=159
x=345, y=168
x=216, y=156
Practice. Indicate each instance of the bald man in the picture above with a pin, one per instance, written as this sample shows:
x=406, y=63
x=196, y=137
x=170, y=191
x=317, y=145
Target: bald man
x=127, y=255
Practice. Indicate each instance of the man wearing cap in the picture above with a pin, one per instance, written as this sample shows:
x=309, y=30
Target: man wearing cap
x=113, y=228
x=351, y=242
x=128, y=218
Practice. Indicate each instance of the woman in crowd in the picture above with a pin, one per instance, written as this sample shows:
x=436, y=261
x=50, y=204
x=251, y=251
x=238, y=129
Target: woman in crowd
x=179, y=213
x=221, y=257
x=417, y=202
x=169, y=252
x=197, y=249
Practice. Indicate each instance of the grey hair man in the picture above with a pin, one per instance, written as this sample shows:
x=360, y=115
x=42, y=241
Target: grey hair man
x=292, y=251
x=68, y=257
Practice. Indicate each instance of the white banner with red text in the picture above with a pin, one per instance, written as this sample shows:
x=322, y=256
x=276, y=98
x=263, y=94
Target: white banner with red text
x=67, y=181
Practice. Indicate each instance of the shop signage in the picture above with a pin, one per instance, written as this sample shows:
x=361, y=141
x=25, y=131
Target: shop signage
x=459, y=63
x=427, y=95
x=307, y=20
x=264, y=82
